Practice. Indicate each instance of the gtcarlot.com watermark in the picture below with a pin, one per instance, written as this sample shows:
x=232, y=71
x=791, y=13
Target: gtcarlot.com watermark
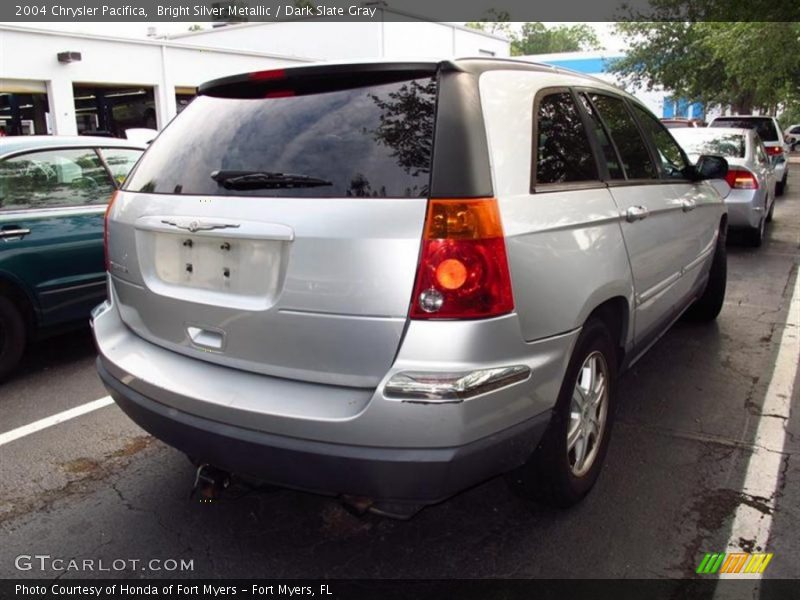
x=48, y=563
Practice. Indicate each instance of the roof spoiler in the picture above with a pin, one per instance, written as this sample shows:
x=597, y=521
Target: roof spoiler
x=297, y=81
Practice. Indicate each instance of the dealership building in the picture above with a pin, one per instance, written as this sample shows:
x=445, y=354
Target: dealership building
x=73, y=83
x=69, y=83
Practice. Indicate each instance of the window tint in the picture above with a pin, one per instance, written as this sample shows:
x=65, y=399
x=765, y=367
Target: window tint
x=120, y=161
x=632, y=149
x=612, y=160
x=795, y=130
x=563, y=152
x=764, y=126
x=53, y=178
x=367, y=141
x=669, y=153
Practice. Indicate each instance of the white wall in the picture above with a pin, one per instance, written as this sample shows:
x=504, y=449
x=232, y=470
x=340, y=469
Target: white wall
x=116, y=61
x=351, y=40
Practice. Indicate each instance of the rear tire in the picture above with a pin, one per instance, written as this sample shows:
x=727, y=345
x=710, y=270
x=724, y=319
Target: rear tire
x=568, y=460
x=708, y=306
x=755, y=236
x=780, y=187
x=12, y=337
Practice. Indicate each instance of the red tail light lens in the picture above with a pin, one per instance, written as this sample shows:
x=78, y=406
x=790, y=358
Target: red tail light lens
x=741, y=179
x=773, y=150
x=105, y=229
x=463, y=270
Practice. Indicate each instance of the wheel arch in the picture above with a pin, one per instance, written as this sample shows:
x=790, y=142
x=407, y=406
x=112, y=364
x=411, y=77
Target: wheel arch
x=18, y=293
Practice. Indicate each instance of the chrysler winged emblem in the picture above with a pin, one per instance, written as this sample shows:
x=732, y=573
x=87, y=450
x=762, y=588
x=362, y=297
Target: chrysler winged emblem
x=194, y=225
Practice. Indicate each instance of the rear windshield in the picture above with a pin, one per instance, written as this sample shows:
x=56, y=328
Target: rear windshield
x=367, y=141
x=697, y=142
x=765, y=127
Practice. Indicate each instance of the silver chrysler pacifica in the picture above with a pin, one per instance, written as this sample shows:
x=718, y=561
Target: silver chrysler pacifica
x=392, y=281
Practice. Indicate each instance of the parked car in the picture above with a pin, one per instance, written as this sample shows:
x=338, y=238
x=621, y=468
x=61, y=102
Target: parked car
x=53, y=193
x=680, y=123
x=769, y=131
x=751, y=176
x=792, y=136
x=392, y=281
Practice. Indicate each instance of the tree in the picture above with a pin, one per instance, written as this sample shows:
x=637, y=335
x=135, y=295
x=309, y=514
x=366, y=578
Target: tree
x=744, y=65
x=195, y=27
x=536, y=38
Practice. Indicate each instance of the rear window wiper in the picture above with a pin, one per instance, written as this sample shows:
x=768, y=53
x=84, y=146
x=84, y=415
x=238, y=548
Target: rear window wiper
x=256, y=180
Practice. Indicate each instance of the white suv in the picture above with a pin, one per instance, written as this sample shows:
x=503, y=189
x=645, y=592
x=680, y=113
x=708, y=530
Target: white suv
x=392, y=281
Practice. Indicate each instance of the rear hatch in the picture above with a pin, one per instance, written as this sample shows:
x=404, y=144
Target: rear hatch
x=275, y=225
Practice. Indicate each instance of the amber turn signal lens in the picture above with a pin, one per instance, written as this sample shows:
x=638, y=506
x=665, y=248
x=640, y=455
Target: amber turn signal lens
x=451, y=274
x=463, y=219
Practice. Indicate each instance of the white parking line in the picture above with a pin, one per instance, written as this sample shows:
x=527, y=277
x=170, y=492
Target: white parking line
x=19, y=432
x=753, y=521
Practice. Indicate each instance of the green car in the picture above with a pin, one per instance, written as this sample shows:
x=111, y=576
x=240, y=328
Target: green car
x=53, y=194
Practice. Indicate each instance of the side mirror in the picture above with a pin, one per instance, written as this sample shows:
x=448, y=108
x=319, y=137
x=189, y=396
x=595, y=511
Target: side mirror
x=711, y=167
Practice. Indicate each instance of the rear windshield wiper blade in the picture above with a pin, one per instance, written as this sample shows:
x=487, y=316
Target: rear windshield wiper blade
x=256, y=180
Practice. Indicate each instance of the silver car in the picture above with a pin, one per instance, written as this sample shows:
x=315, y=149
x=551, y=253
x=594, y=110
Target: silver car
x=769, y=130
x=392, y=281
x=751, y=176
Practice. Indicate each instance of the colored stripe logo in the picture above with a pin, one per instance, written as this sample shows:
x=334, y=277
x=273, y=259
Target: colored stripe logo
x=735, y=562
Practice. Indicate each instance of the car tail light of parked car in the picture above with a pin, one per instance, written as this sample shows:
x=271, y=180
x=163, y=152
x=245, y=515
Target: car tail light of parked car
x=774, y=150
x=463, y=268
x=741, y=179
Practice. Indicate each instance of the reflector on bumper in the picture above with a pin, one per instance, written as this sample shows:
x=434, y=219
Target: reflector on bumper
x=452, y=387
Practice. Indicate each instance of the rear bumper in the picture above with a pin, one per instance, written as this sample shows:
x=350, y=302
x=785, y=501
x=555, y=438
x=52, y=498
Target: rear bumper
x=745, y=208
x=411, y=475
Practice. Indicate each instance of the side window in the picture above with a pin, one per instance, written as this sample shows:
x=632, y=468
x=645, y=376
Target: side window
x=563, y=152
x=669, y=153
x=53, y=178
x=633, y=151
x=612, y=159
x=120, y=161
x=795, y=130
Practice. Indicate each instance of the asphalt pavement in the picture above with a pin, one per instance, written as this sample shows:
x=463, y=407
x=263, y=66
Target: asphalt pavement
x=97, y=487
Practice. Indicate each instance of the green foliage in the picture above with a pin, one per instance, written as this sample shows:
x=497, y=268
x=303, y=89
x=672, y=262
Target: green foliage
x=536, y=38
x=744, y=65
x=195, y=27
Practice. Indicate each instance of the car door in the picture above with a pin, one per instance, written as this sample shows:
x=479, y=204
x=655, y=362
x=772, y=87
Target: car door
x=699, y=219
x=51, y=229
x=650, y=213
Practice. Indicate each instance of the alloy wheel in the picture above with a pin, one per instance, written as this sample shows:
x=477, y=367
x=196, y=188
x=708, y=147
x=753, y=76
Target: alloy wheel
x=588, y=413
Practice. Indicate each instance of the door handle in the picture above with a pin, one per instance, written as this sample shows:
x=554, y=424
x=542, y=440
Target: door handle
x=636, y=213
x=14, y=232
x=688, y=205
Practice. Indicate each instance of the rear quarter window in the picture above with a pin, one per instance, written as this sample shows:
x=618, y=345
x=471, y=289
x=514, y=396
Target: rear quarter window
x=367, y=141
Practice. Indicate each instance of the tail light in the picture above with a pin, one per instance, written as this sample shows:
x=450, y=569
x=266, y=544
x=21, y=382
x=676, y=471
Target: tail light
x=741, y=179
x=105, y=229
x=463, y=268
x=774, y=150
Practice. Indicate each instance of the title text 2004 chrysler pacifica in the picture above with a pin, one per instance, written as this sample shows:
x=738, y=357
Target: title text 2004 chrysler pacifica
x=393, y=281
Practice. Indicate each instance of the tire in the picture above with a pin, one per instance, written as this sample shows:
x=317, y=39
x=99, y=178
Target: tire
x=755, y=236
x=771, y=212
x=780, y=187
x=553, y=474
x=12, y=337
x=709, y=304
